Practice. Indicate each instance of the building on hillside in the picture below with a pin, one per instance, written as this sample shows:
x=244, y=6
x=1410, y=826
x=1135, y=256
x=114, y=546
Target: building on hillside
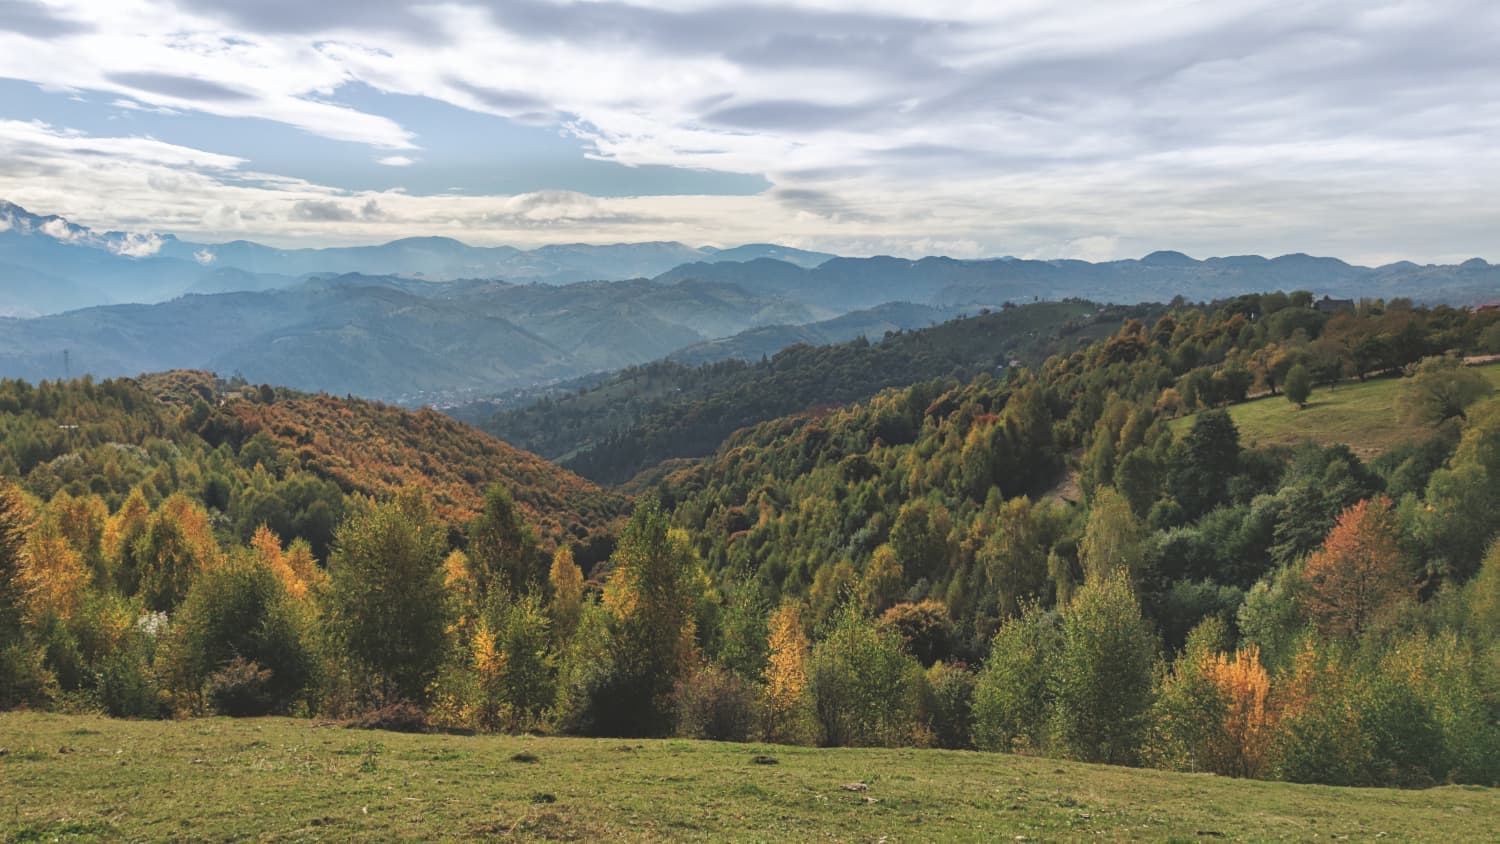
x=1334, y=306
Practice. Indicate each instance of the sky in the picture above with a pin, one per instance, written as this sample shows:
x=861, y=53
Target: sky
x=1363, y=129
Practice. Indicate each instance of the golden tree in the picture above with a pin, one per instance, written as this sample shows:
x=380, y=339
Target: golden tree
x=786, y=672
x=567, y=592
x=1249, y=721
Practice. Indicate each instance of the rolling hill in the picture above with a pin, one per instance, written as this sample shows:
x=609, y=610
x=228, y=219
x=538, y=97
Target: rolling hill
x=391, y=338
x=645, y=415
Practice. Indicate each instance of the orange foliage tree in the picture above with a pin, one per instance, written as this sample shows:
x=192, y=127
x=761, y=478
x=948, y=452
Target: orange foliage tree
x=1358, y=572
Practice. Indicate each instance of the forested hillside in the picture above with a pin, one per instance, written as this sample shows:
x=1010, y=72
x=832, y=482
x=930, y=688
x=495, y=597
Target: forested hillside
x=390, y=338
x=648, y=414
x=1037, y=561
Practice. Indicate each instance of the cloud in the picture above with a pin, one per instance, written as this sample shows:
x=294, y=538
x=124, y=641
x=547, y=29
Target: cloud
x=58, y=229
x=789, y=114
x=396, y=161
x=1025, y=127
x=136, y=244
x=322, y=211
x=36, y=20
x=178, y=87
x=205, y=256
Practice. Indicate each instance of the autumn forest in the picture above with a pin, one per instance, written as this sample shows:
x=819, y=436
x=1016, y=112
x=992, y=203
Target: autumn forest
x=1078, y=555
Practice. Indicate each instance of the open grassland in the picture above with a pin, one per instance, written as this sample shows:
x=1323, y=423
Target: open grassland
x=80, y=778
x=1363, y=416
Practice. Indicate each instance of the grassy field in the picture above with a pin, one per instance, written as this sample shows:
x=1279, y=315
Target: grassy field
x=1360, y=415
x=80, y=778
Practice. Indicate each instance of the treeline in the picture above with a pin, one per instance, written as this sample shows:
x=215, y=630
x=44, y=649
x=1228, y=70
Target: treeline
x=1038, y=563
x=648, y=414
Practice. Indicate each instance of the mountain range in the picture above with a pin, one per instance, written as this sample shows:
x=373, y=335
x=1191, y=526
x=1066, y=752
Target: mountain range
x=391, y=338
x=853, y=283
x=49, y=264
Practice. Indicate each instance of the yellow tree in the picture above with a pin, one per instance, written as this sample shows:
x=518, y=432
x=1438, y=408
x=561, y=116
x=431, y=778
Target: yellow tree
x=53, y=574
x=567, y=593
x=463, y=592
x=121, y=532
x=82, y=522
x=786, y=673
x=1357, y=573
x=1249, y=721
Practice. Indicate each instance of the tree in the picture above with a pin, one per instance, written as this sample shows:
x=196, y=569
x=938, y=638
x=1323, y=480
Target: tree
x=177, y=544
x=652, y=592
x=14, y=514
x=1013, y=695
x=786, y=675
x=1442, y=388
x=1102, y=683
x=1358, y=572
x=502, y=547
x=864, y=684
x=1014, y=556
x=1114, y=540
x=1298, y=385
x=1202, y=463
x=387, y=602
x=566, y=579
x=882, y=583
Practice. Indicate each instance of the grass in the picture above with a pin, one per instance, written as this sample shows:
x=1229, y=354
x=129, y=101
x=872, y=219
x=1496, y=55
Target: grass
x=79, y=778
x=1361, y=415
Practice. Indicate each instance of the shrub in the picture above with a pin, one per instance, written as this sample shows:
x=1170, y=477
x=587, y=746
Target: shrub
x=925, y=627
x=865, y=687
x=720, y=705
x=950, y=702
x=127, y=685
x=24, y=678
x=400, y=717
x=241, y=688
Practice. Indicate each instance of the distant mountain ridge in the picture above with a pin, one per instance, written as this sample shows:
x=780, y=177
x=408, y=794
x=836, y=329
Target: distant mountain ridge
x=392, y=338
x=856, y=283
x=49, y=264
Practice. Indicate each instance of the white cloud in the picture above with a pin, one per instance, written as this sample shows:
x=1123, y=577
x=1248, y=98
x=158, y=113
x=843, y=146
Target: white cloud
x=205, y=256
x=136, y=245
x=58, y=229
x=1093, y=128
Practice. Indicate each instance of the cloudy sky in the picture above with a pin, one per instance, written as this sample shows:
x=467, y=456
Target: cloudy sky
x=1366, y=129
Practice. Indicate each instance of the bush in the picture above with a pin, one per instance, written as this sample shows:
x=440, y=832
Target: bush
x=720, y=705
x=240, y=613
x=865, y=686
x=127, y=685
x=925, y=627
x=240, y=689
x=950, y=705
x=24, y=678
x=399, y=717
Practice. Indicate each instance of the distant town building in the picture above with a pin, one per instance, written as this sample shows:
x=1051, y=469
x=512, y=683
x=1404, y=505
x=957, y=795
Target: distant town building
x=1334, y=306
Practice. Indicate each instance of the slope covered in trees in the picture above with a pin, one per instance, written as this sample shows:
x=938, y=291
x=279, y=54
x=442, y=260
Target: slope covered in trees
x=894, y=572
x=645, y=415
